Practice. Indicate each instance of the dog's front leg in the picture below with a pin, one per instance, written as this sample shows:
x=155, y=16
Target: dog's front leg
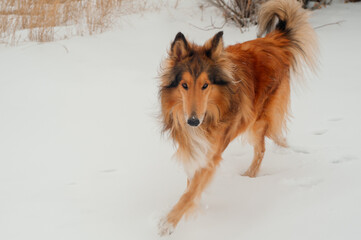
x=189, y=199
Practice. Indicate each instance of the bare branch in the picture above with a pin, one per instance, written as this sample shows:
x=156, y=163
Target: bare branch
x=210, y=27
x=240, y=12
x=327, y=24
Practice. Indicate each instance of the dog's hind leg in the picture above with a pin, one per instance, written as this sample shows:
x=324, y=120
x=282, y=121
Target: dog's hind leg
x=258, y=133
x=277, y=113
x=280, y=141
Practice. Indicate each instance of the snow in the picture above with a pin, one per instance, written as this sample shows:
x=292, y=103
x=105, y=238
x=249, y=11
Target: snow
x=82, y=157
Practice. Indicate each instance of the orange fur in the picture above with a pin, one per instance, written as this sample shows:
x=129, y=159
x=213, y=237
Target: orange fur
x=244, y=88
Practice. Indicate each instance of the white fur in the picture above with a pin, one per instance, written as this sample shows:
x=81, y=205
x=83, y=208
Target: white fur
x=165, y=228
x=199, y=152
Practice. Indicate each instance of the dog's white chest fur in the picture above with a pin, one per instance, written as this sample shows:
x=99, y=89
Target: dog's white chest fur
x=197, y=156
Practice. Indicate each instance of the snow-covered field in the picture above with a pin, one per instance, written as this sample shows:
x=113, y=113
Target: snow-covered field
x=82, y=157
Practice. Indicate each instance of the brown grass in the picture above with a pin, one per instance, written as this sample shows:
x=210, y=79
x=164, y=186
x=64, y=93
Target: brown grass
x=40, y=20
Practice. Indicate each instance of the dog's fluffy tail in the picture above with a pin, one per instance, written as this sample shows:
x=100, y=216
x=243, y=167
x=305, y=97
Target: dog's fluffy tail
x=288, y=17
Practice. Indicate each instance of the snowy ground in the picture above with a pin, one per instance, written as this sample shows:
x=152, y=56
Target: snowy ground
x=81, y=155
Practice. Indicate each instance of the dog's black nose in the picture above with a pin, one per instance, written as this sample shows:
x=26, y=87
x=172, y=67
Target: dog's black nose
x=193, y=121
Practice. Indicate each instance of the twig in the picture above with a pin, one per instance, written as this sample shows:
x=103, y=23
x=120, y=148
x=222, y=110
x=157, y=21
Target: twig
x=327, y=24
x=210, y=27
x=66, y=49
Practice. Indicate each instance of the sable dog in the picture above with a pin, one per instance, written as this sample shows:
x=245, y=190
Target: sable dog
x=210, y=95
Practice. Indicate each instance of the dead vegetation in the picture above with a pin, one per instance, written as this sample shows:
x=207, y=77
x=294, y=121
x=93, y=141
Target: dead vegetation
x=243, y=13
x=49, y=20
x=315, y=4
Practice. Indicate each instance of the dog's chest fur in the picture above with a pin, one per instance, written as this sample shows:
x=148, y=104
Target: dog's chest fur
x=195, y=152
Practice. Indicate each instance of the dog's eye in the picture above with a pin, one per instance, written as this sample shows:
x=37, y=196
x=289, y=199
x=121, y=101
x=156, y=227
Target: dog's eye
x=185, y=86
x=204, y=86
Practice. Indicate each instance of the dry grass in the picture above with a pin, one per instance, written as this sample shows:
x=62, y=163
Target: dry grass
x=44, y=20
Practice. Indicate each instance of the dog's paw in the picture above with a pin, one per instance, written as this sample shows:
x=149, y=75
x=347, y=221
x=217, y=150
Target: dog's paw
x=250, y=173
x=165, y=228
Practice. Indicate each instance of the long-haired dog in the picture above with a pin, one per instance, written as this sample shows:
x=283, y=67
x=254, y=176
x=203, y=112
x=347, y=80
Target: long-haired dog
x=211, y=94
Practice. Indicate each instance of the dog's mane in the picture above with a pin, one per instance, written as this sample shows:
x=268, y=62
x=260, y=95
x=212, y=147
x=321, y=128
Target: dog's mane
x=229, y=83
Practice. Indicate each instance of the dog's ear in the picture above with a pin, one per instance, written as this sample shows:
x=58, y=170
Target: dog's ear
x=180, y=47
x=214, y=46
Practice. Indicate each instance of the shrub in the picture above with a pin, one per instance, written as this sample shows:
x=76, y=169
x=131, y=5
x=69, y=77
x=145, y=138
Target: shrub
x=241, y=12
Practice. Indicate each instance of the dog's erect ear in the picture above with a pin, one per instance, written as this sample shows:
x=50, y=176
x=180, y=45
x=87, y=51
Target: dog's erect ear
x=214, y=46
x=180, y=47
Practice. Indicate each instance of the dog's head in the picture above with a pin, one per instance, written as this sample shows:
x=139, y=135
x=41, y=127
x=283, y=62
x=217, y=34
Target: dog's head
x=192, y=79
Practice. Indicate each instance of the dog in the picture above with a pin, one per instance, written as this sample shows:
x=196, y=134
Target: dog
x=210, y=95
